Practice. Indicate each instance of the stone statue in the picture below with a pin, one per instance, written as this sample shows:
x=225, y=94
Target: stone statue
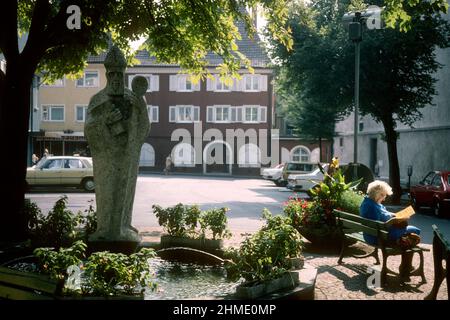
x=116, y=126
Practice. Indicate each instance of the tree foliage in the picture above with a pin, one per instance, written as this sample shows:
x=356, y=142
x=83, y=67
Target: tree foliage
x=181, y=31
x=398, y=64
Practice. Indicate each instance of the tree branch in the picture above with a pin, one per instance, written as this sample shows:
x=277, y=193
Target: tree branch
x=9, y=44
x=36, y=43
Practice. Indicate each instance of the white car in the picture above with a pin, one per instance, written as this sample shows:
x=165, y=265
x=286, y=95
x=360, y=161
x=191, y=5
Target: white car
x=306, y=181
x=273, y=174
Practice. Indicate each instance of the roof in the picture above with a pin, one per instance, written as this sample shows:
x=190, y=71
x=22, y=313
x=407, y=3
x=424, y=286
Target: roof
x=251, y=48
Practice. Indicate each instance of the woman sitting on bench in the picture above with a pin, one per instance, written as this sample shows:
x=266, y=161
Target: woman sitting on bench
x=400, y=233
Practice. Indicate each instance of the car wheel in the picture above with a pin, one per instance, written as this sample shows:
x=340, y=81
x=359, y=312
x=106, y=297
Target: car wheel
x=88, y=184
x=414, y=203
x=437, y=209
x=280, y=183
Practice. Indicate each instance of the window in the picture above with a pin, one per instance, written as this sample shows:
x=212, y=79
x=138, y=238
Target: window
x=182, y=83
x=80, y=113
x=73, y=164
x=251, y=114
x=251, y=82
x=184, y=114
x=222, y=114
x=236, y=114
x=52, y=113
x=152, y=80
x=428, y=179
x=341, y=142
x=220, y=86
x=53, y=164
x=300, y=154
x=437, y=181
x=89, y=79
x=153, y=114
x=59, y=83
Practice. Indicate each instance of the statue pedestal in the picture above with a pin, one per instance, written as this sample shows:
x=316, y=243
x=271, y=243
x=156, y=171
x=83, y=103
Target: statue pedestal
x=125, y=247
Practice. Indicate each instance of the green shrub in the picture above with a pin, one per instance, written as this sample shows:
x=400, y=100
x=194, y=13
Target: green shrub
x=60, y=227
x=55, y=263
x=263, y=255
x=216, y=221
x=351, y=201
x=107, y=273
x=101, y=274
x=183, y=221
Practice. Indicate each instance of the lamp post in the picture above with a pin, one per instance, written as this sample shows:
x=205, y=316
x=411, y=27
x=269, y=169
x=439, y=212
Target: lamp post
x=372, y=18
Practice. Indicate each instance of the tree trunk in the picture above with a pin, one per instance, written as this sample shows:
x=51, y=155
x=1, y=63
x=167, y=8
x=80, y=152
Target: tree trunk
x=394, y=169
x=14, y=122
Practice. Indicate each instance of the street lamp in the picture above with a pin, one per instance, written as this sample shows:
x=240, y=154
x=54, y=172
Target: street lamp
x=354, y=20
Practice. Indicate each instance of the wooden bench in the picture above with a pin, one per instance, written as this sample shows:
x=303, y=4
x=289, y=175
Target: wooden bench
x=18, y=285
x=353, y=226
x=441, y=251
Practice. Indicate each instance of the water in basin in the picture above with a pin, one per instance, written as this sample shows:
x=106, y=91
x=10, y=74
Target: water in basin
x=177, y=280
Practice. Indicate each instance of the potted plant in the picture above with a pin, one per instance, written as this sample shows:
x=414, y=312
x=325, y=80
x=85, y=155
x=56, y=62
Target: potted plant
x=101, y=275
x=188, y=226
x=266, y=260
x=315, y=219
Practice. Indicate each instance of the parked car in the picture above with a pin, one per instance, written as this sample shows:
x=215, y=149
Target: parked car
x=296, y=168
x=433, y=191
x=62, y=171
x=306, y=181
x=273, y=174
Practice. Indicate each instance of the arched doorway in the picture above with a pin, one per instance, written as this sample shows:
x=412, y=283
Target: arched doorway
x=147, y=158
x=183, y=155
x=249, y=156
x=217, y=158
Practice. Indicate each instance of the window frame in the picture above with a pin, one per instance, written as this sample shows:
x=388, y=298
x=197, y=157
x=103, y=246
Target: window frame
x=84, y=79
x=84, y=106
x=49, y=107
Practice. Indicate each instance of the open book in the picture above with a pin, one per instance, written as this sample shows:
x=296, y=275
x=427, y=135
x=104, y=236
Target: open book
x=401, y=217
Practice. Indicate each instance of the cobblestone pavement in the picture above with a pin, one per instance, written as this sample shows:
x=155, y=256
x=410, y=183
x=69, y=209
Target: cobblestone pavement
x=348, y=281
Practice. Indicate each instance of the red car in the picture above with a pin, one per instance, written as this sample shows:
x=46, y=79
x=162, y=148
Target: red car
x=433, y=191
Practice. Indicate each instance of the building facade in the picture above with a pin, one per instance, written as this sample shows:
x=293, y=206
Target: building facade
x=421, y=147
x=206, y=127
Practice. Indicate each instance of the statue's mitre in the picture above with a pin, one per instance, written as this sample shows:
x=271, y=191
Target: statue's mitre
x=115, y=59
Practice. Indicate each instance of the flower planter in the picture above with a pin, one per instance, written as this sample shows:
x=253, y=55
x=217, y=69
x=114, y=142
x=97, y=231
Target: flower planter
x=325, y=236
x=208, y=245
x=289, y=280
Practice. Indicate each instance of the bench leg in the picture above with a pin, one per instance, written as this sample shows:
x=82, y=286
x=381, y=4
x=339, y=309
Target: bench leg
x=375, y=255
x=341, y=255
x=438, y=270
x=384, y=268
x=422, y=272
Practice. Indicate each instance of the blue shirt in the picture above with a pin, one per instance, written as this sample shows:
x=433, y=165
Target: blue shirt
x=369, y=209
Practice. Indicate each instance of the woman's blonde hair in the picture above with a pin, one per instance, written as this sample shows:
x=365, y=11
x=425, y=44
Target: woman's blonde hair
x=376, y=187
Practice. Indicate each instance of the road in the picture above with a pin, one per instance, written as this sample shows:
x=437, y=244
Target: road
x=246, y=199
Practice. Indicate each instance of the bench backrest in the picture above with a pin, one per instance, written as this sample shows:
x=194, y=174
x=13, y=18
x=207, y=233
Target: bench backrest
x=352, y=223
x=439, y=237
x=18, y=285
